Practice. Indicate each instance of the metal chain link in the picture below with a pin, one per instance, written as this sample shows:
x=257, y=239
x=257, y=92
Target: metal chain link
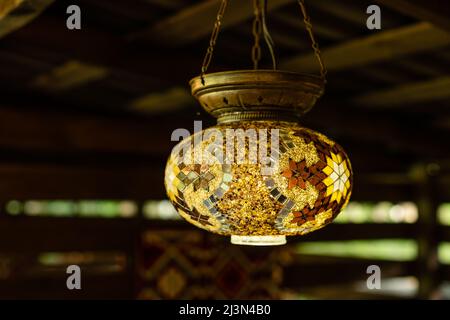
x=213, y=39
x=257, y=30
x=315, y=45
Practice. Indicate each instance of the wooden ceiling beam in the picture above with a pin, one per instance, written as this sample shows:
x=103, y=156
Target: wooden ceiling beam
x=370, y=127
x=167, y=4
x=62, y=132
x=322, y=28
x=41, y=234
x=69, y=75
x=196, y=22
x=7, y=6
x=99, y=49
x=433, y=11
x=407, y=94
x=14, y=14
x=162, y=102
x=382, y=46
x=58, y=181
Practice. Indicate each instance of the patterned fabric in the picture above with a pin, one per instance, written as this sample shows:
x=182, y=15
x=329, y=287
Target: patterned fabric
x=177, y=264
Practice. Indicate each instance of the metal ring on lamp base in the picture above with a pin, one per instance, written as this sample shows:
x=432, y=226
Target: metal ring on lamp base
x=259, y=240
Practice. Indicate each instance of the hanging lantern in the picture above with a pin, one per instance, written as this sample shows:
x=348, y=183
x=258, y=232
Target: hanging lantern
x=258, y=176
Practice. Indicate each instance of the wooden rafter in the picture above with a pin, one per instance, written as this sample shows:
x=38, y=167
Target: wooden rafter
x=373, y=128
x=196, y=21
x=14, y=14
x=162, y=102
x=382, y=46
x=434, y=11
x=85, y=181
x=69, y=75
x=410, y=93
x=61, y=132
x=7, y=6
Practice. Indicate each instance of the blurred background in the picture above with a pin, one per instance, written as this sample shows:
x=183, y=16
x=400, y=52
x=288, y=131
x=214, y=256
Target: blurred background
x=85, y=123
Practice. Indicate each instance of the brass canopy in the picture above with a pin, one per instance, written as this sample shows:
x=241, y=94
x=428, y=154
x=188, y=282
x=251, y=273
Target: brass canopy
x=257, y=94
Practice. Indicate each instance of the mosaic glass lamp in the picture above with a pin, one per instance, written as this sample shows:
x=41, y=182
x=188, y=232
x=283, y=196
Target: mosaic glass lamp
x=258, y=175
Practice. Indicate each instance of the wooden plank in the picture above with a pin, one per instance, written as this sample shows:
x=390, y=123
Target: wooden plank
x=338, y=232
x=427, y=234
x=433, y=11
x=382, y=46
x=70, y=132
x=318, y=270
x=14, y=14
x=372, y=127
x=322, y=28
x=443, y=122
x=167, y=4
x=57, y=181
x=196, y=21
x=161, y=102
x=346, y=291
x=111, y=52
x=410, y=93
x=345, y=10
x=66, y=234
x=7, y=6
x=95, y=287
x=69, y=75
x=446, y=272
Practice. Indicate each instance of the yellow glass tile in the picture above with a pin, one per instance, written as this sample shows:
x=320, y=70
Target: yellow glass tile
x=338, y=196
x=328, y=181
x=347, y=184
x=330, y=162
x=333, y=196
x=330, y=190
x=328, y=170
x=334, y=157
x=334, y=176
x=345, y=165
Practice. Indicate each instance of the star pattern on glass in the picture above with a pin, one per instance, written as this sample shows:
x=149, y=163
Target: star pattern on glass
x=338, y=177
x=296, y=174
x=197, y=174
x=195, y=215
x=299, y=173
x=300, y=217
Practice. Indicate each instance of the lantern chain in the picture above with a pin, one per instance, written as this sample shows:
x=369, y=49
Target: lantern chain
x=257, y=29
x=315, y=45
x=212, y=42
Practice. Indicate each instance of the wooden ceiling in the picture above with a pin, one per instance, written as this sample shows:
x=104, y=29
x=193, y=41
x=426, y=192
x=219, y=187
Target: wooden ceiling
x=95, y=107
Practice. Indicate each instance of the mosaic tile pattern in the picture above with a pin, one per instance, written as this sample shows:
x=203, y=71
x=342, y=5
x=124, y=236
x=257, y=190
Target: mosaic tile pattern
x=330, y=176
x=310, y=185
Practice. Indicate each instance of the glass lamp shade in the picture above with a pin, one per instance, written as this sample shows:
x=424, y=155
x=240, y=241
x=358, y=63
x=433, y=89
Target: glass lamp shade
x=258, y=176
